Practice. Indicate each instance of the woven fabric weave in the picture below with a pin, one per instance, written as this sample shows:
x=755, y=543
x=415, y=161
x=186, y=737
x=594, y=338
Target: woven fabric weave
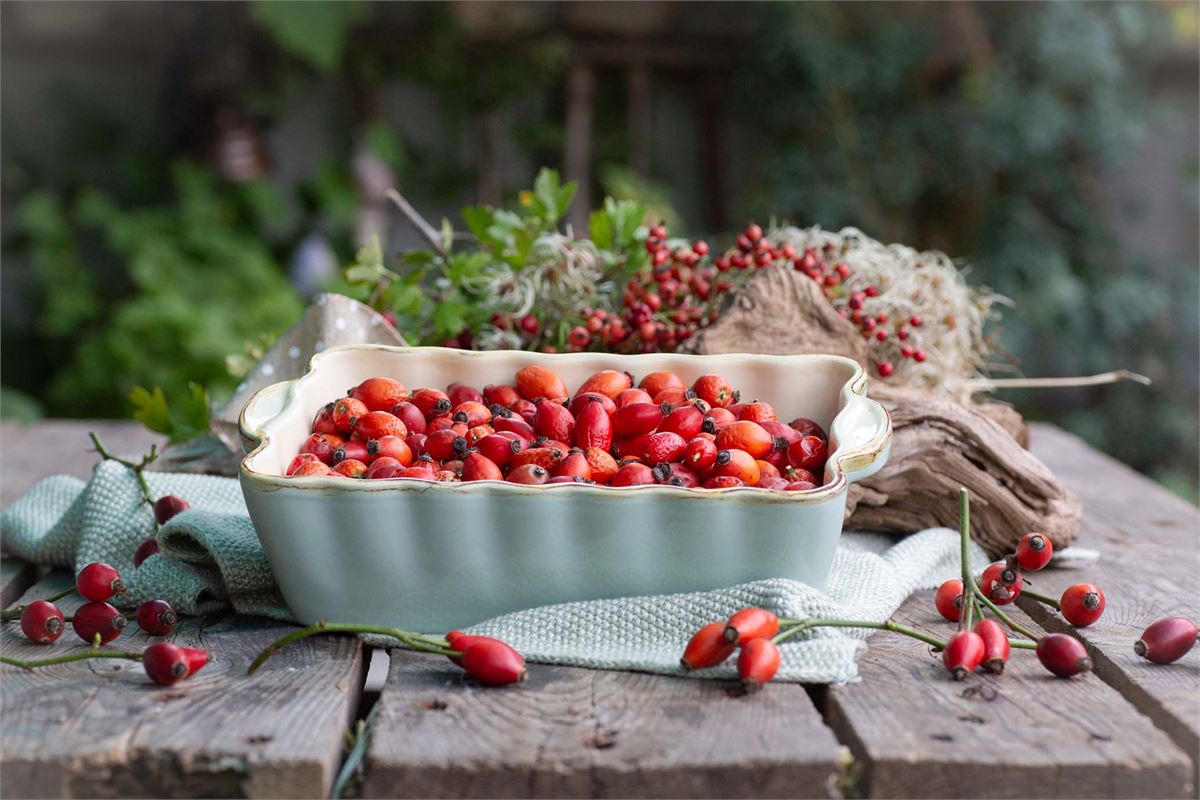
x=211, y=559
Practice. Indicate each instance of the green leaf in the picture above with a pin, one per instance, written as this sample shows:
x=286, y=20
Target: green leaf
x=479, y=220
x=150, y=409
x=600, y=229
x=314, y=31
x=449, y=318
x=551, y=197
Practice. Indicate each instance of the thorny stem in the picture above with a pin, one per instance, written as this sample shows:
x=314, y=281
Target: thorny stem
x=139, y=469
x=1043, y=599
x=81, y=656
x=964, y=537
x=415, y=641
x=15, y=613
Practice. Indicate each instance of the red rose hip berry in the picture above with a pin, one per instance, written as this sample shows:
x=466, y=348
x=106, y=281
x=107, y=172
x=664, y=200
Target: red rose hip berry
x=809, y=453
x=949, y=599
x=167, y=664
x=995, y=645
x=380, y=394
x=146, y=549
x=707, y=648
x=156, y=617
x=97, y=617
x=492, y=662
x=42, y=622
x=1082, y=604
x=1034, y=551
x=168, y=506
x=99, y=581
x=1063, y=655
x=964, y=652
x=757, y=663
x=751, y=623
x=1164, y=642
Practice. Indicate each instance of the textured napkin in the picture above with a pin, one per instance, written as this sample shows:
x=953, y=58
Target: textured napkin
x=211, y=559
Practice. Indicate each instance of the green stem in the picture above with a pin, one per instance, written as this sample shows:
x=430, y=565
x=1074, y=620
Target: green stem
x=1021, y=644
x=1043, y=599
x=139, y=469
x=886, y=625
x=1005, y=618
x=47, y=662
x=964, y=538
x=15, y=613
x=415, y=641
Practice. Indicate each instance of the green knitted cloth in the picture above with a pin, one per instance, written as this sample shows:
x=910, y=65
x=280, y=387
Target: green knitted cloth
x=211, y=559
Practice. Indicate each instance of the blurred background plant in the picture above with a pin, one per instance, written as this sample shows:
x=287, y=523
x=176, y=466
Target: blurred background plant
x=178, y=182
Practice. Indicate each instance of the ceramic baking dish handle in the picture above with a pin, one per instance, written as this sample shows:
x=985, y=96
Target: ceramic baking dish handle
x=263, y=407
x=864, y=430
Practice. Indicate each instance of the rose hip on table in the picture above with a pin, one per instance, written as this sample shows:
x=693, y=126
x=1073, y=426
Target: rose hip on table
x=535, y=432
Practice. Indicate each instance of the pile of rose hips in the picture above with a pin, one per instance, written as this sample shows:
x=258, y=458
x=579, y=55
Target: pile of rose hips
x=534, y=432
x=97, y=623
x=758, y=632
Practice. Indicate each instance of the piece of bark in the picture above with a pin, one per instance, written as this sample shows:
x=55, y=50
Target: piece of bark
x=999, y=412
x=938, y=446
x=781, y=312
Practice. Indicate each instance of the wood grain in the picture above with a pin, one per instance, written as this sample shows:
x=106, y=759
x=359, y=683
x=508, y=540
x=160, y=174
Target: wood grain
x=102, y=729
x=1149, y=541
x=15, y=577
x=919, y=733
x=592, y=733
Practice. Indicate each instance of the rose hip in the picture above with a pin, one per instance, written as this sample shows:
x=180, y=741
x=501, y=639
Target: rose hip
x=323, y=422
x=321, y=445
x=471, y=413
x=530, y=474
x=553, y=421
x=583, y=399
x=636, y=419
x=478, y=467
x=146, y=549
x=97, y=617
x=385, y=467
x=608, y=382
x=379, y=394
x=459, y=393
x=390, y=447
x=99, y=581
x=751, y=623
x=633, y=475
x=1034, y=551
x=593, y=427
x=492, y=662
x=809, y=453
x=167, y=664
x=745, y=435
x=445, y=445
x=707, y=648
x=545, y=457
x=949, y=599
x=1165, y=641
x=602, y=464
x=42, y=622
x=723, y=482
x=346, y=413
x=964, y=652
x=807, y=427
x=311, y=469
x=687, y=421
x=714, y=390
x=656, y=382
x=700, y=454
x=377, y=424
x=573, y=465
x=1063, y=655
x=993, y=585
x=156, y=617
x=535, y=382
x=758, y=411
x=351, y=468
x=757, y=663
x=663, y=447
x=631, y=396
x=353, y=450
x=736, y=464
x=168, y=506
x=995, y=645
x=718, y=418
x=1082, y=604
x=676, y=475
x=500, y=394
x=411, y=416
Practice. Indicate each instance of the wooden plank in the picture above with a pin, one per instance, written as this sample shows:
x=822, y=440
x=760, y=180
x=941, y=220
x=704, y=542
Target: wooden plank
x=62, y=446
x=592, y=733
x=1149, y=568
x=101, y=729
x=15, y=577
x=919, y=733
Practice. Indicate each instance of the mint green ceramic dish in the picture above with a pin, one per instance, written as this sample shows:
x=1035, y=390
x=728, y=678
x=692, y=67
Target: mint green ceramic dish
x=435, y=556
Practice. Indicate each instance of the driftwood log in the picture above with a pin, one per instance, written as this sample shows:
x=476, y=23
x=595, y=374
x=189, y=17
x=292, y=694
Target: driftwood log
x=938, y=445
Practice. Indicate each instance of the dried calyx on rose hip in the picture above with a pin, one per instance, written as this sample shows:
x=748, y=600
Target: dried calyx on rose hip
x=42, y=622
x=99, y=581
x=662, y=432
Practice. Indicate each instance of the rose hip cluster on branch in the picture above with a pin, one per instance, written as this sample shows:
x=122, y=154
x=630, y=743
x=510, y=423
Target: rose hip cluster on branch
x=535, y=432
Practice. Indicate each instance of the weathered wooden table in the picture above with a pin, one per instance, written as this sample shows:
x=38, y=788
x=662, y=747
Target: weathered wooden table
x=1130, y=729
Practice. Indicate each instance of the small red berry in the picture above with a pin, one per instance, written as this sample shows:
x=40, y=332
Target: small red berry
x=886, y=368
x=42, y=622
x=754, y=232
x=757, y=663
x=915, y=322
x=700, y=248
x=949, y=599
x=1082, y=604
x=1063, y=655
x=99, y=581
x=918, y=356
x=1034, y=551
x=964, y=652
x=156, y=617
x=995, y=645
x=993, y=585
x=168, y=506
x=168, y=664
x=707, y=648
x=1164, y=642
x=97, y=617
x=751, y=623
x=144, y=551
x=529, y=323
x=492, y=662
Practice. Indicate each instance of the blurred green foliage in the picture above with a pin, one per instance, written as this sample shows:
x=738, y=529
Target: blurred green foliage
x=990, y=151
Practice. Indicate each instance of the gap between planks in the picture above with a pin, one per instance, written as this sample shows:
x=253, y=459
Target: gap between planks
x=102, y=729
